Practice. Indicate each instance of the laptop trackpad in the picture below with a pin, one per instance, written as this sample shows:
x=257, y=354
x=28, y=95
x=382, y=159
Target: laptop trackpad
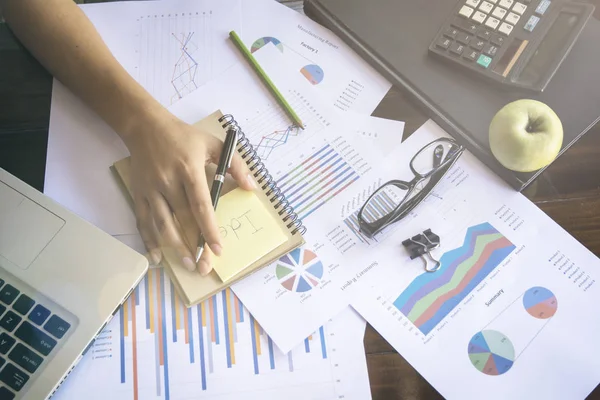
x=25, y=227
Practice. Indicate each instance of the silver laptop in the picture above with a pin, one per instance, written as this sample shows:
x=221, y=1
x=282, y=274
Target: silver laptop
x=61, y=280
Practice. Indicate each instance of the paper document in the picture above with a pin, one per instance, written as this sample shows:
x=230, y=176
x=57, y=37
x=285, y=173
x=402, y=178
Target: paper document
x=154, y=348
x=299, y=292
x=507, y=311
x=325, y=63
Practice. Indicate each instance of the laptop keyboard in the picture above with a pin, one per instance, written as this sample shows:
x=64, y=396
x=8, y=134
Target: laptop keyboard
x=29, y=332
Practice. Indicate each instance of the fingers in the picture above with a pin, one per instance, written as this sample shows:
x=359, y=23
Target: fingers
x=205, y=262
x=168, y=233
x=200, y=203
x=145, y=225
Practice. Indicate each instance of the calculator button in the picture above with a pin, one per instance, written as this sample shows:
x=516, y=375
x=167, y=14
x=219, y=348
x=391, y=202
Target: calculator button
x=450, y=32
x=477, y=43
x=531, y=23
x=519, y=8
x=471, y=55
x=473, y=3
x=493, y=1
x=484, y=33
x=463, y=38
x=492, y=22
x=512, y=18
x=498, y=40
x=484, y=61
x=468, y=26
x=443, y=42
x=506, y=3
x=499, y=12
x=479, y=16
x=466, y=11
x=486, y=7
x=542, y=7
x=490, y=50
x=457, y=48
x=505, y=28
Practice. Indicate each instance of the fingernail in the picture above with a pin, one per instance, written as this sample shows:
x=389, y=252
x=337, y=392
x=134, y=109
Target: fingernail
x=251, y=181
x=189, y=263
x=216, y=248
x=204, y=268
x=155, y=255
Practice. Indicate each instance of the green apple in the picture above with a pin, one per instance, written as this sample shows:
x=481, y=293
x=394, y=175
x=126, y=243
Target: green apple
x=525, y=135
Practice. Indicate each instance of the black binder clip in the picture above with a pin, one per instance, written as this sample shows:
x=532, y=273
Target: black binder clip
x=421, y=245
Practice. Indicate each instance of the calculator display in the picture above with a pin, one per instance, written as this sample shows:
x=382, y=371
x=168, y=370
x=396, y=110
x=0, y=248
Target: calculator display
x=551, y=47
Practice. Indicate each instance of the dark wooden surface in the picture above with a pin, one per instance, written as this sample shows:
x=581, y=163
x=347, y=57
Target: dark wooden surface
x=569, y=191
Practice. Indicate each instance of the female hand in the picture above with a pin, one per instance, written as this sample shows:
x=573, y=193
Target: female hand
x=168, y=179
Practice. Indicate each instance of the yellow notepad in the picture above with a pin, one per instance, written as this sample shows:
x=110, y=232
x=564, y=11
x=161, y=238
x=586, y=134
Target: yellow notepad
x=280, y=233
x=247, y=230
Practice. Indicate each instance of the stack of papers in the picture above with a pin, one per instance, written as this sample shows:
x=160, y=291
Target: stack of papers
x=507, y=312
x=155, y=348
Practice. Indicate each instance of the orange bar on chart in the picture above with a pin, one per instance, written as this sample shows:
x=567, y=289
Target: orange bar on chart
x=257, y=337
x=151, y=300
x=134, y=347
x=159, y=301
x=125, y=319
x=230, y=324
x=185, y=327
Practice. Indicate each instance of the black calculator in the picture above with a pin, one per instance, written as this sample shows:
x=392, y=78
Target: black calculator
x=520, y=43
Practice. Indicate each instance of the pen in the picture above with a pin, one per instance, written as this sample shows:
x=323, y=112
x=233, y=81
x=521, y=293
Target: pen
x=224, y=164
x=261, y=73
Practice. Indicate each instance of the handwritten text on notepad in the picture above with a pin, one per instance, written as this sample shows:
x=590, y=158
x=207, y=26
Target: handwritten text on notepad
x=249, y=230
x=241, y=226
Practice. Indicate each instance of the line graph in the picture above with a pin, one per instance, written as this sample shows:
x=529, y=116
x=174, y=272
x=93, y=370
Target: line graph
x=186, y=67
x=433, y=295
x=270, y=128
x=175, y=53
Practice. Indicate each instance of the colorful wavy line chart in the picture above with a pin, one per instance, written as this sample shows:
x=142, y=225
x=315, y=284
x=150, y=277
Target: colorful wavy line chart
x=433, y=295
x=186, y=67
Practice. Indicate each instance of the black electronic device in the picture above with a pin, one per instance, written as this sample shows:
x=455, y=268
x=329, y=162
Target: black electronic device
x=515, y=42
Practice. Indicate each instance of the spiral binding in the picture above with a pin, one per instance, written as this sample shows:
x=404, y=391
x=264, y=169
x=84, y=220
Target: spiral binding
x=254, y=162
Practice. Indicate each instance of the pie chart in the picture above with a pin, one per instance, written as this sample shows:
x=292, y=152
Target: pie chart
x=258, y=43
x=491, y=352
x=299, y=271
x=540, y=302
x=313, y=73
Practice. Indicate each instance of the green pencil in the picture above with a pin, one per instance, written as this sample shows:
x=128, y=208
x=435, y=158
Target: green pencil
x=261, y=73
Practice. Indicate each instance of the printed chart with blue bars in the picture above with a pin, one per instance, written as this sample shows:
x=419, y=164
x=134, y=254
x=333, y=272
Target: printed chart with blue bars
x=316, y=180
x=156, y=348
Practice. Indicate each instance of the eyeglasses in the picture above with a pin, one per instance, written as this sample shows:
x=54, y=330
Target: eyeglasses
x=395, y=199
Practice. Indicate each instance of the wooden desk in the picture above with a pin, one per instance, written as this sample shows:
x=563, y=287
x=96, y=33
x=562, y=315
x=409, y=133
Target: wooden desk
x=569, y=191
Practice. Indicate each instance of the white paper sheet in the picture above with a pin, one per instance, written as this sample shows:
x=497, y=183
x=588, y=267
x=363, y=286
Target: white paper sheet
x=155, y=348
x=326, y=64
x=507, y=314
